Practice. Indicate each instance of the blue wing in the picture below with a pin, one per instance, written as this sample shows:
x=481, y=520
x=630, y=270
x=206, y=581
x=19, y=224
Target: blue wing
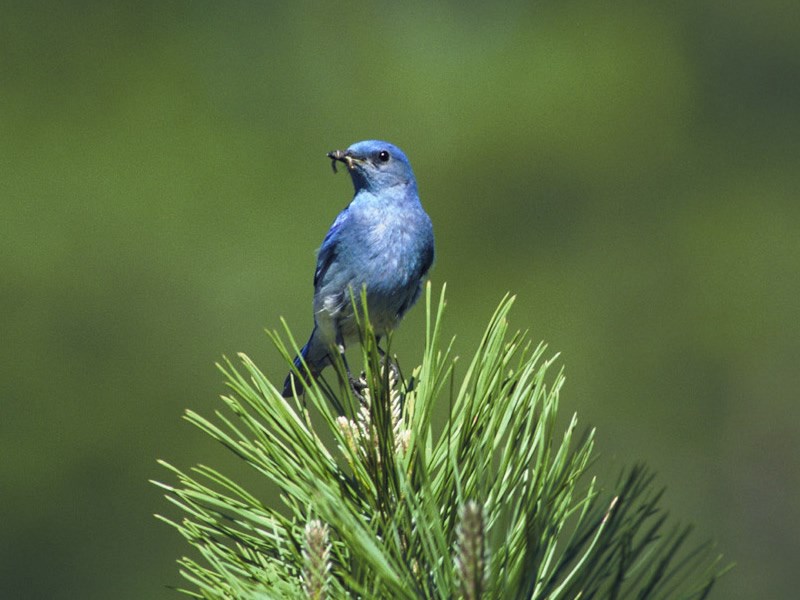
x=427, y=260
x=328, y=251
x=424, y=266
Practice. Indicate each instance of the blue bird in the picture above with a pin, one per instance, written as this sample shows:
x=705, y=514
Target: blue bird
x=382, y=240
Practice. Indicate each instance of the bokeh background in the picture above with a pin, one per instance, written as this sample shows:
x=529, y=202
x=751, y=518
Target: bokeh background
x=630, y=170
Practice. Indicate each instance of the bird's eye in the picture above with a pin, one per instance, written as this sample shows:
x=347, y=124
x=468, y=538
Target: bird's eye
x=383, y=156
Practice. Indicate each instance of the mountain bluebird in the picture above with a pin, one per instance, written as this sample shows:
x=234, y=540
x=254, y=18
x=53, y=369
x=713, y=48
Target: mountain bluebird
x=382, y=241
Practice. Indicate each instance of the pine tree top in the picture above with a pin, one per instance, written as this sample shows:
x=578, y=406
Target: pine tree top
x=377, y=501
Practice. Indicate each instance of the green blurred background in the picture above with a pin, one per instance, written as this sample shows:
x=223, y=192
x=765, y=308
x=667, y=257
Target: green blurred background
x=630, y=170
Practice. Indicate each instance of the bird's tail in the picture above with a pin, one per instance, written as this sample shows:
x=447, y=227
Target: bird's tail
x=315, y=362
x=290, y=381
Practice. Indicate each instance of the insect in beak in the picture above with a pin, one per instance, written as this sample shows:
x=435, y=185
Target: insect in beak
x=338, y=155
x=341, y=156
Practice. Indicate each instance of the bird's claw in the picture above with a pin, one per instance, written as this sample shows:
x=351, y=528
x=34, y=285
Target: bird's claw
x=357, y=385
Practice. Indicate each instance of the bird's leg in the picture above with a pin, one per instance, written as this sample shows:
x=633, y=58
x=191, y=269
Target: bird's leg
x=357, y=385
x=387, y=360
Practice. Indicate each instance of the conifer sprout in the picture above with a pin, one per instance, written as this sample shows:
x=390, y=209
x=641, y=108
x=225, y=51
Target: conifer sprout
x=471, y=551
x=316, y=558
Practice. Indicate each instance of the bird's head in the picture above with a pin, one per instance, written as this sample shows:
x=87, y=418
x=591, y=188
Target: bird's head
x=375, y=165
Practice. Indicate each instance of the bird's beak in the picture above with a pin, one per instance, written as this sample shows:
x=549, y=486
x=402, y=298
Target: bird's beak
x=341, y=156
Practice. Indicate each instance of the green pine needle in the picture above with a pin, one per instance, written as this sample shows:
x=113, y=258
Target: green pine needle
x=377, y=502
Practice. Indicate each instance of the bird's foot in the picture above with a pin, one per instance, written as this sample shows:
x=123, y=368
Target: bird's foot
x=357, y=385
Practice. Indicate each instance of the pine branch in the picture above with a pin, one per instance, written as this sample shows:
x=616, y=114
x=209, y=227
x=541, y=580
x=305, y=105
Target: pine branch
x=377, y=502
